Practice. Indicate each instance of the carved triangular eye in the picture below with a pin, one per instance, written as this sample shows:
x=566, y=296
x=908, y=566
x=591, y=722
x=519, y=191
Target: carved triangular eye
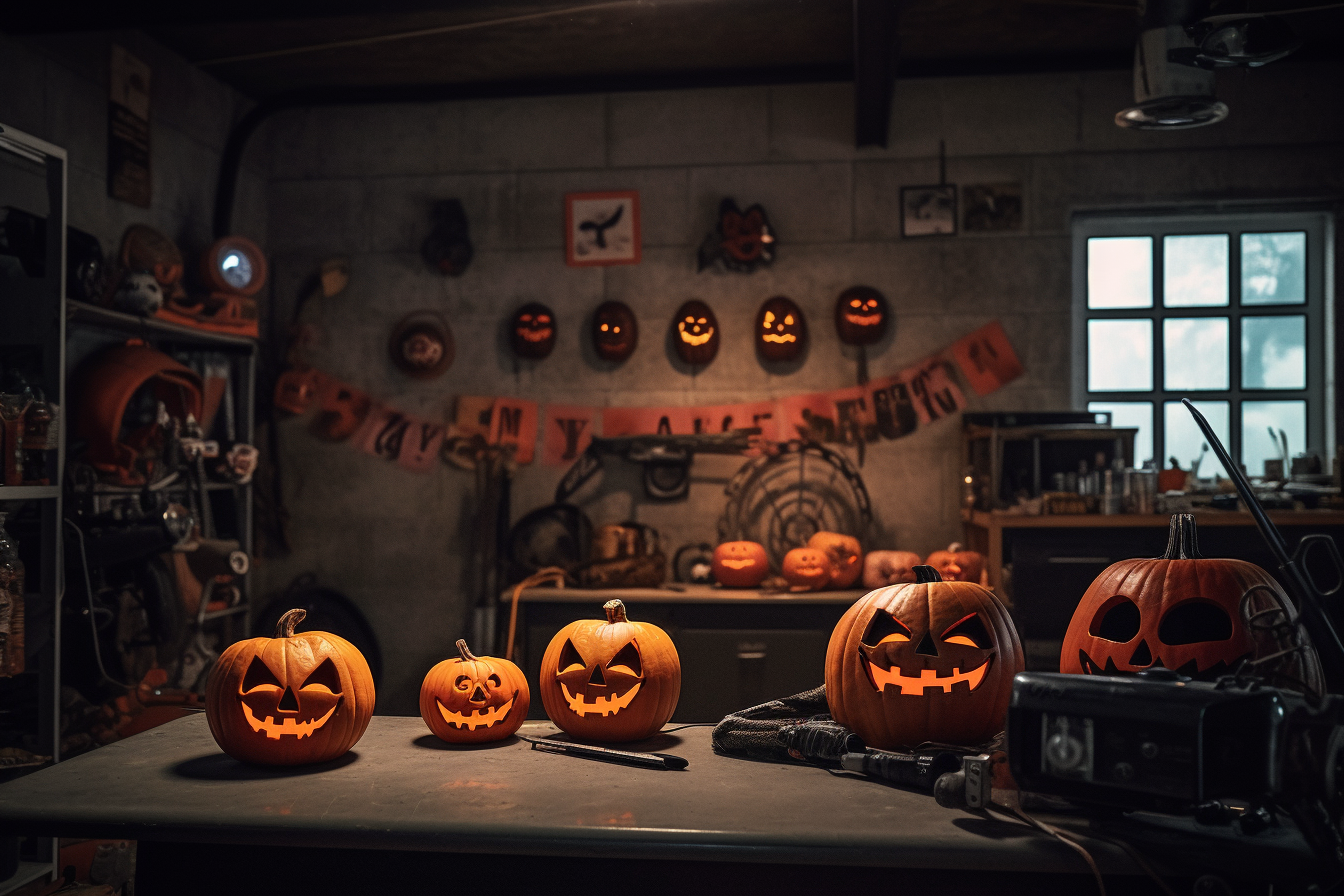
x=259, y=674
x=885, y=627
x=627, y=660
x=570, y=658
x=327, y=676
x=968, y=631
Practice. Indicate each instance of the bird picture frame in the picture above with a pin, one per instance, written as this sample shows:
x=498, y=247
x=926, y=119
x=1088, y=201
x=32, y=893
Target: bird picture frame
x=602, y=228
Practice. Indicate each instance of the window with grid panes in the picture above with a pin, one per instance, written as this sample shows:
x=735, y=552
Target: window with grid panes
x=1226, y=309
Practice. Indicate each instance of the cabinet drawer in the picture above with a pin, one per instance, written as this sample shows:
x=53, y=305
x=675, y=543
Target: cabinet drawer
x=724, y=670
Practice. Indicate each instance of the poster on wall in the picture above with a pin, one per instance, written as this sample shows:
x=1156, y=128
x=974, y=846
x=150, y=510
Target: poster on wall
x=929, y=211
x=602, y=228
x=128, y=177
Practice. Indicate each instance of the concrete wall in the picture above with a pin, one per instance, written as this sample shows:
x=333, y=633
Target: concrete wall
x=360, y=181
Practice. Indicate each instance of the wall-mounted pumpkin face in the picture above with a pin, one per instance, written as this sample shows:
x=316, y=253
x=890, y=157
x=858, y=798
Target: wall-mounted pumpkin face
x=615, y=331
x=289, y=700
x=695, y=333
x=807, y=569
x=959, y=565
x=612, y=679
x=472, y=699
x=740, y=564
x=781, y=329
x=860, y=315
x=930, y=661
x=1179, y=611
x=882, y=568
x=845, y=553
x=533, y=331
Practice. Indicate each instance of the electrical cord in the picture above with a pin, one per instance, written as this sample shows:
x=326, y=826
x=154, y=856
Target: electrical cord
x=88, y=593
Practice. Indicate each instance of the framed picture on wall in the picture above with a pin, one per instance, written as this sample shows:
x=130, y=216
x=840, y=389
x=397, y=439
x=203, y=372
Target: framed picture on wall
x=602, y=228
x=929, y=211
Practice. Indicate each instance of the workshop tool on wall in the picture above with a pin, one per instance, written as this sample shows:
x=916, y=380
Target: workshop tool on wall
x=666, y=459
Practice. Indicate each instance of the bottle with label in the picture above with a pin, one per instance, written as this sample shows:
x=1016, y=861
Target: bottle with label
x=11, y=605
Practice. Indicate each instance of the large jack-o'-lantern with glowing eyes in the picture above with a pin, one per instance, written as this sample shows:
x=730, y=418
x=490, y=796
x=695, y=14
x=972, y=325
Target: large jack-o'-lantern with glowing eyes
x=860, y=315
x=289, y=700
x=929, y=661
x=472, y=700
x=533, y=331
x=695, y=333
x=612, y=679
x=615, y=331
x=740, y=564
x=781, y=329
x=1183, y=612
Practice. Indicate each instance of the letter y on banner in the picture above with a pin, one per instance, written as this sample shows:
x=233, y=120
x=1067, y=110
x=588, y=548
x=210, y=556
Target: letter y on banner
x=566, y=432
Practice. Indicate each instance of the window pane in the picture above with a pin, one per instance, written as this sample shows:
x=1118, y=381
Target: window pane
x=1273, y=268
x=1258, y=418
x=1274, y=352
x=1131, y=414
x=1119, y=355
x=1194, y=352
x=1194, y=270
x=1120, y=272
x=1184, y=440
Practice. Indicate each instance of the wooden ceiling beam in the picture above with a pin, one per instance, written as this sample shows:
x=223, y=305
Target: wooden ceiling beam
x=875, y=50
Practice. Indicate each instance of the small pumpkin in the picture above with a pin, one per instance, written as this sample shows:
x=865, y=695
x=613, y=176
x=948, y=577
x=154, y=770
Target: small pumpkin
x=610, y=679
x=860, y=315
x=846, y=556
x=533, y=331
x=293, y=699
x=881, y=568
x=740, y=564
x=695, y=333
x=807, y=569
x=781, y=329
x=1184, y=612
x=959, y=565
x=929, y=661
x=473, y=700
x=615, y=331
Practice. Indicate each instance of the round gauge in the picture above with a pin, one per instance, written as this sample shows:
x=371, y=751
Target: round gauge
x=234, y=265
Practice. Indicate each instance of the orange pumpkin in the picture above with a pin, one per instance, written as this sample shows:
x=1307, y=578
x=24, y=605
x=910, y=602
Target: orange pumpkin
x=881, y=568
x=612, y=679
x=740, y=564
x=958, y=565
x=845, y=553
x=289, y=700
x=472, y=700
x=807, y=569
x=929, y=661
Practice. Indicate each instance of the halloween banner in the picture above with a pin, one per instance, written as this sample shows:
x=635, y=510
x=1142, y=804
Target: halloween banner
x=986, y=358
x=513, y=421
x=566, y=433
x=683, y=421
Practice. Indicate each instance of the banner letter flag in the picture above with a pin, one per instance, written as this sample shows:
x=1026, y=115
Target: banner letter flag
x=933, y=391
x=513, y=421
x=986, y=358
x=566, y=433
x=420, y=445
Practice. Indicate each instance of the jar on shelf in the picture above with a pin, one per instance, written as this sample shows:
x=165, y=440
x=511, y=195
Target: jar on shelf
x=11, y=605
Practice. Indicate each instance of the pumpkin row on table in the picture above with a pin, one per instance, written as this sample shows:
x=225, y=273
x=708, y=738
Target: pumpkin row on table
x=835, y=560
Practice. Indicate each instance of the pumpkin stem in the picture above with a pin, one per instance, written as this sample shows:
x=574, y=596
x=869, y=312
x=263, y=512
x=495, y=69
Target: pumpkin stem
x=467, y=656
x=615, y=612
x=926, y=574
x=285, y=627
x=1182, y=541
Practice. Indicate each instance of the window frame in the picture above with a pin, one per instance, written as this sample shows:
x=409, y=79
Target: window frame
x=1234, y=220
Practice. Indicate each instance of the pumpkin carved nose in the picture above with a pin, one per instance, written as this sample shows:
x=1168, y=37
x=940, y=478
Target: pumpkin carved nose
x=926, y=647
x=597, y=677
x=1143, y=656
x=478, y=695
x=288, y=702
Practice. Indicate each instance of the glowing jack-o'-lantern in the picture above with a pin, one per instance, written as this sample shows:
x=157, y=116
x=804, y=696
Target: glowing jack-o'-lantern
x=612, y=679
x=860, y=315
x=781, y=329
x=615, y=331
x=881, y=568
x=533, y=331
x=845, y=554
x=289, y=700
x=695, y=333
x=807, y=569
x=929, y=661
x=1183, y=612
x=471, y=700
x=740, y=564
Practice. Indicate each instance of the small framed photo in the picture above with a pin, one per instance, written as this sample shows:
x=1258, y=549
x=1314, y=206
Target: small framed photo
x=602, y=228
x=929, y=211
x=991, y=207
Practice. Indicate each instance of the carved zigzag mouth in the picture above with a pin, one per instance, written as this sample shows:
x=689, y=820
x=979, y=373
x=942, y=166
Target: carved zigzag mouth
x=928, y=679
x=1190, y=669
x=286, y=726
x=480, y=718
x=787, y=337
x=602, y=706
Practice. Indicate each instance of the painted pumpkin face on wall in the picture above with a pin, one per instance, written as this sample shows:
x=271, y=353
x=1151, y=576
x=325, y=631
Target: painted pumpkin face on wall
x=533, y=331
x=929, y=661
x=474, y=699
x=615, y=331
x=612, y=679
x=1179, y=611
x=695, y=333
x=781, y=329
x=289, y=700
x=740, y=564
x=860, y=315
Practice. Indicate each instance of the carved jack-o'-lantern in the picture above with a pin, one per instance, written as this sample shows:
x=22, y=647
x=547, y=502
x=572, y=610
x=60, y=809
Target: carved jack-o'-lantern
x=845, y=553
x=533, y=331
x=807, y=569
x=929, y=661
x=471, y=700
x=612, y=679
x=740, y=564
x=781, y=329
x=341, y=409
x=615, y=331
x=695, y=333
x=289, y=700
x=958, y=565
x=882, y=568
x=1182, y=612
x=860, y=315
